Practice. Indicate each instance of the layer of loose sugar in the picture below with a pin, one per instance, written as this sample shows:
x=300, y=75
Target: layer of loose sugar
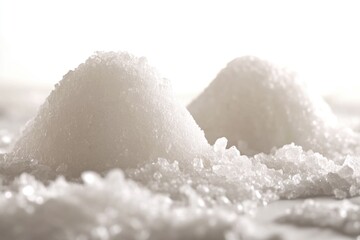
x=241, y=182
x=342, y=216
x=110, y=208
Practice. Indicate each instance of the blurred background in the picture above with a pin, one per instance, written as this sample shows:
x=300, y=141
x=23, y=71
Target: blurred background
x=188, y=41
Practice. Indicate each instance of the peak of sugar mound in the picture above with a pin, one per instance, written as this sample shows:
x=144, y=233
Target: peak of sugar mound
x=258, y=106
x=114, y=110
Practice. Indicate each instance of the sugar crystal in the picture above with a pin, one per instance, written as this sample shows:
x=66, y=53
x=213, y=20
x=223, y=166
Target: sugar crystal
x=343, y=216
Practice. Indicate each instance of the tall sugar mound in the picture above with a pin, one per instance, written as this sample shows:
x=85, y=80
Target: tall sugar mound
x=112, y=111
x=258, y=106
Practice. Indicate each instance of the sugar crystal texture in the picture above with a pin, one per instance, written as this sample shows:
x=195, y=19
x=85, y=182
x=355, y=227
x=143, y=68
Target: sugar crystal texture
x=342, y=216
x=227, y=178
x=112, y=111
x=258, y=106
x=107, y=208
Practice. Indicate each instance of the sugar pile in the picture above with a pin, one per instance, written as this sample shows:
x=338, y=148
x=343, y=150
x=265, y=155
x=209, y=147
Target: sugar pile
x=112, y=111
x=115, y=111
x=258, y=106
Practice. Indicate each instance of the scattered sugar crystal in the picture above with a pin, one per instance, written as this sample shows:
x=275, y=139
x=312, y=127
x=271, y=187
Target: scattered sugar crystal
x=287, y=173
x=157, y=175
x=233, y=152
x=340, y=193
x=28, y=190
x=342, y=216
x=220, y=144
x=8, y=194
x=112, y=111
x=90, y=178
x=258, y=106
x=6, y=139
x=198, y=164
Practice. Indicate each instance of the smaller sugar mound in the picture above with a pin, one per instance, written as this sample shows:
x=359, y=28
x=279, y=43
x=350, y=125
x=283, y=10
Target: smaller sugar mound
x=258, y=106
x=342, y=216
x=112, y=111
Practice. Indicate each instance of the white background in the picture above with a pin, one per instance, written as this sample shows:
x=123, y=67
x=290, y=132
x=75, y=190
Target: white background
x=188, y=41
